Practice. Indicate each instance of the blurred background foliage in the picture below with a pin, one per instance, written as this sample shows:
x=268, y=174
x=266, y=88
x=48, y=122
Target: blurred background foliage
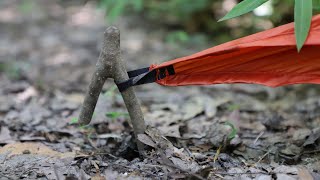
x=196, y=20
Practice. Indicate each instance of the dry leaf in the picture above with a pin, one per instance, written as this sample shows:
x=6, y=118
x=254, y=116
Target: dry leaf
x=304, y=174
x=146, y=140
x=33, y=148
x=313, y=137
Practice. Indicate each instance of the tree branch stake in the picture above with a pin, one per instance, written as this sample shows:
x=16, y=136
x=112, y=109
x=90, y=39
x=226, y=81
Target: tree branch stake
x=110, y=65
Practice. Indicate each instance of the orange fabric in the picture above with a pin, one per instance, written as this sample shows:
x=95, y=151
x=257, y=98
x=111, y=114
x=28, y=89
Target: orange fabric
x=268, y=58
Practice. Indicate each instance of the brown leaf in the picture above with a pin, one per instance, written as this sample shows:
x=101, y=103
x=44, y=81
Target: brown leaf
x=146, y=140
x=193, y=107
x=189, y=166
x=33, y=148
x=285, y=177
x=285, y=170
x=304, y=174
x=313, y=137
x=171, y=131
x=157, y=137
x=98, y=177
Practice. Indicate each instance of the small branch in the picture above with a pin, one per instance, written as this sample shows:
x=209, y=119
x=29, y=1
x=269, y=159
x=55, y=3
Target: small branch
x=119, y=74
x=256, y=140
x=103, y=71
x=240, y=173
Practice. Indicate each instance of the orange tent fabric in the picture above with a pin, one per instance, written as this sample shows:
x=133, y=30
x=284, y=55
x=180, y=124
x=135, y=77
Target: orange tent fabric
x=268, y=58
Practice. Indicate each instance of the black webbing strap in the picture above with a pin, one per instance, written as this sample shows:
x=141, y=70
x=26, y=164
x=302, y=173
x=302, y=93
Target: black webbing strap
x=137, y=72
x=144, y=76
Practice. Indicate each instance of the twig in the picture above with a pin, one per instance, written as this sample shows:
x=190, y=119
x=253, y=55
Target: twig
x=113, y=156
x=187, y=150
x=91, y=143
x=240, y=173
x=262, y=157
x=217, y=154
x=255, y=141
x=311, y=152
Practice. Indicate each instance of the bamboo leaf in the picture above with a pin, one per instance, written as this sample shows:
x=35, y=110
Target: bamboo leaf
x=302, y=21
x=243, y=8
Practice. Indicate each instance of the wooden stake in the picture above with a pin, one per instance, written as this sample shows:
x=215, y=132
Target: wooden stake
x=110, y=65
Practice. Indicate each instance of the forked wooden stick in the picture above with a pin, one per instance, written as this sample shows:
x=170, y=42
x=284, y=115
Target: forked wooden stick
x=110, y=65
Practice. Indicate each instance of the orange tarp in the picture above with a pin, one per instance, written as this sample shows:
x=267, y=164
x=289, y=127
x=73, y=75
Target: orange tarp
x=269, y=58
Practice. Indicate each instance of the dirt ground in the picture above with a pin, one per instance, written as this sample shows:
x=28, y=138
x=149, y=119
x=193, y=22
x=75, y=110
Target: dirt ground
x=48, y=51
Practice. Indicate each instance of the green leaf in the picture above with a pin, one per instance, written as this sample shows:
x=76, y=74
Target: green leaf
x=116, y=10
x=233, y=132
x=302, y=21
x=177, y=37
x=316, y=5
x=26, y=6
x=115, y=115
x=137, y=5
x=243, y=8
x=233, y=107
x=74, y=120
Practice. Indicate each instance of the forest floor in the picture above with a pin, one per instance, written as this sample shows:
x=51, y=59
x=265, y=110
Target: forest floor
x=47, y=56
